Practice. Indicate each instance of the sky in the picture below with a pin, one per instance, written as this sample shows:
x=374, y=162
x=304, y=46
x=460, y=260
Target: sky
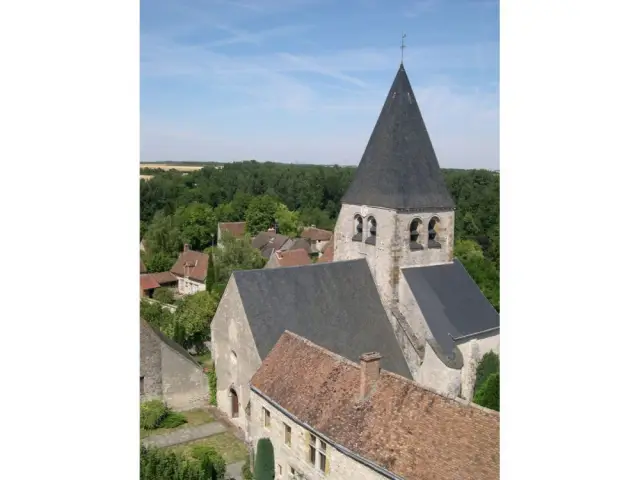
x=303, y=81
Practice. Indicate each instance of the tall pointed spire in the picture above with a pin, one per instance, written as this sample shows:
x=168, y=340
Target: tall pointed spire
x=399, y=168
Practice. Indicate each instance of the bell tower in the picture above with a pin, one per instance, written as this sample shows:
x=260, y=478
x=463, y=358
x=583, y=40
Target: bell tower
x=397, y=212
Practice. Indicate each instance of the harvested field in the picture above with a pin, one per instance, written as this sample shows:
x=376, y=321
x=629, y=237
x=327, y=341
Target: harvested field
x=146, y=177
x=167, y=166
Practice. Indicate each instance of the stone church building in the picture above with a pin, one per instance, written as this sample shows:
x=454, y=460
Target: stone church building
x=394, y=286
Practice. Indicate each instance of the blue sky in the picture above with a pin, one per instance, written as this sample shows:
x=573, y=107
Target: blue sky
x=303, y=81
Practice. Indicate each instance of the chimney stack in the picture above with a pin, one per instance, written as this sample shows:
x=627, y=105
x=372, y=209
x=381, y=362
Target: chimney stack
x=186, y=247
x=369, y=373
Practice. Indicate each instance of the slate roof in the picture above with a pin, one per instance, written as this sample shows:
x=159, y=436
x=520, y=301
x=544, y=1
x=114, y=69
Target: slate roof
x=335, y=305
x=268, y=242
x=193, y=264
x=407, y=429
x=301, y=243
x=451, y=302
x=399, y=168
x=168, y=341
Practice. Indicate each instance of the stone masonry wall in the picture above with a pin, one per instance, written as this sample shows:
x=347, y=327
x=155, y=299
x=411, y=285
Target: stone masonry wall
x=185, y=385
x=296, y=455
x=234, y=353
x=150, y=364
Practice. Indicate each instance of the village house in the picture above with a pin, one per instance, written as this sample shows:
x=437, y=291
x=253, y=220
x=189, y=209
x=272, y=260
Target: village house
x=270, y=241
x=327, y=253
x=290, y=258
x=236, y=229
x=393, y=287
x=147, y=285
x=317, y=237
x=166, y=279
x=169, y=373
x=191, y=271
x=330, y=418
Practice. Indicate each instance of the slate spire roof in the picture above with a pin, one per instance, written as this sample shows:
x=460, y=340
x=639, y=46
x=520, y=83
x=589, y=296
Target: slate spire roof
x=399, y=168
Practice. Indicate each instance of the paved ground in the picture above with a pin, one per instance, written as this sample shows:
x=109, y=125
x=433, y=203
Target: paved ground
x=183, y=435
x=234, y=471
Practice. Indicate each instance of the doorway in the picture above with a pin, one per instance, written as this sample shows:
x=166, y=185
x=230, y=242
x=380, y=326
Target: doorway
x=234, y=403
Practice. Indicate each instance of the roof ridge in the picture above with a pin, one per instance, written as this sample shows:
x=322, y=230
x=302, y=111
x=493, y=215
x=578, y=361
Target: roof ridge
x=341, y=359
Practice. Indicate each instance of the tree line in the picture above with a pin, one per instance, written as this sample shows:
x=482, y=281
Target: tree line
x=185, y=207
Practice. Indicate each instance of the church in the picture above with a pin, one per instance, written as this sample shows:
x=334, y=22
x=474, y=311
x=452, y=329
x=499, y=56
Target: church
x=394, y=286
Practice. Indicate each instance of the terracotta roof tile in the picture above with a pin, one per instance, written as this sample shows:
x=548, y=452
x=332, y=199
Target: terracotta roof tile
x=293, y=258
x=192, y=264
x=407, y=429
x=327, y=255
x=316, y=234
x=164, y=277
x=147, y=282
x=236, y=229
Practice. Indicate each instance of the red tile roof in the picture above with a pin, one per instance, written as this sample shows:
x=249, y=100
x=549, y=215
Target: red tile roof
x=407, y=429
x=316, y=234
x=164, y=277
x=147, y=282
x=293, y=258
x=327, y=255
x=236, y=229
x=191, y=264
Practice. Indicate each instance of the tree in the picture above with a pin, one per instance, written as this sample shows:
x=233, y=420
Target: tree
x=164, y=295
x=261, y=214
x=288, y=221
x=211, y=274
x=196, y=224
x=264, y=468
x=489, y=393
x=193, y=316
x=237, y=254
x=158, y=262
x=488, y=365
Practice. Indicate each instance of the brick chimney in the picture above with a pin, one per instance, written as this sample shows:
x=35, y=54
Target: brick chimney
x=369, y=373
x=186, y=247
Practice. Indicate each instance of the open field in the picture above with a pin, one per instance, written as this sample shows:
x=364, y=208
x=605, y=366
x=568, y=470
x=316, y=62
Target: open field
x=168, y=166
x=146, y=177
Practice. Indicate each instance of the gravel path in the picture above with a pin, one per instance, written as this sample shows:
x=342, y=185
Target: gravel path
x=183, y=435
x=234, y=471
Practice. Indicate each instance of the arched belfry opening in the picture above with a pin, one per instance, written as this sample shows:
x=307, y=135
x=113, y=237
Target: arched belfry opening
x=416, y=235
x=357, y=228
x=372, y=226
x=434, y=237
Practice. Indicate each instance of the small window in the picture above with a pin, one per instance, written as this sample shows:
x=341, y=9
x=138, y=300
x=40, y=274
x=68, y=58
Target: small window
x=279, y=470
x=433, y=233
x=267, y=417
x=287, y=434
x=292, y=471
x=141, y=385
x=357, y=229
x=323, y=456
x=312, y=449
x=372, y=225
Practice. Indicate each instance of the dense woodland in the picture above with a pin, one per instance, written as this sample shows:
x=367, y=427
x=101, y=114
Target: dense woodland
x=185, y=207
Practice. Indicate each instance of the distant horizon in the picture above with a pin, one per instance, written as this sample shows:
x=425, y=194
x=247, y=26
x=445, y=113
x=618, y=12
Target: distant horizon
x=306, y=79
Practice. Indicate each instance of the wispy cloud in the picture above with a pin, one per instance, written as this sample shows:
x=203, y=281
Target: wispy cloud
x=418, y=8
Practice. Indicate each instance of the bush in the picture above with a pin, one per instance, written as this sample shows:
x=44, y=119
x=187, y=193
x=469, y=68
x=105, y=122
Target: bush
x=152, y=414
x=246, y=471
x=172, y=420
x=264, y=468
x=164, y=295
x=489, y=364
x=488, y=395
x=158, y=464
x=213, y=385
x=210, y=459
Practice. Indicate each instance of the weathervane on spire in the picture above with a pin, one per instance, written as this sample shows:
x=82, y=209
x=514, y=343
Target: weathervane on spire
x=402, y=47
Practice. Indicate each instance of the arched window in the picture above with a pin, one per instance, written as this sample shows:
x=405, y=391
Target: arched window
x=416, y=235
x=372, y=225
x=235, y=405
x=433, y=233
x=357, y=229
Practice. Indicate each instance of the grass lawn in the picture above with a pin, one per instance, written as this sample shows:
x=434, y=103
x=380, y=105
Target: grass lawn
x=226, y=444
x=204, y=359
x=194, y=418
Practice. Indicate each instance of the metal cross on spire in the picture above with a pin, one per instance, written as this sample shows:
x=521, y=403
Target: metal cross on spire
x=402, y=47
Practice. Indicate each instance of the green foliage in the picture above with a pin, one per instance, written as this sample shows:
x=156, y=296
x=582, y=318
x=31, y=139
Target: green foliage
x=488, y=395
x=157, y=464
x=172, y=420
x=481, y=269
x=246, y=470
x=196, y=223
x=264, y=468
x=237, y=254
x=157, y=316
x=261, y=214
x=152, y=414
x=488, y=365
x=288, y=221
x=158, y=262
x=210, y=458
x=211, y=274
x=213, y=386
x=164, y=295
x=193, y=318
